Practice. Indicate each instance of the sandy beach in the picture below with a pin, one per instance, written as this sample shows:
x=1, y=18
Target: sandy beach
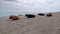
x=37, y=25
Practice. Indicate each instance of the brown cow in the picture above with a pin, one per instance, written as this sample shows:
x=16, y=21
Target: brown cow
x=49, y=14
x=14, y=17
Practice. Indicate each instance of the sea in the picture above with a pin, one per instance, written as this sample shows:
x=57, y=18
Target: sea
x=8, y=13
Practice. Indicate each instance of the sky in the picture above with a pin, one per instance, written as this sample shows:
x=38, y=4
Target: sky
x=30, y=5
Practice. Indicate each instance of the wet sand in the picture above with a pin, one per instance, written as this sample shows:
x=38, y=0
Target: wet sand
x=37, y=25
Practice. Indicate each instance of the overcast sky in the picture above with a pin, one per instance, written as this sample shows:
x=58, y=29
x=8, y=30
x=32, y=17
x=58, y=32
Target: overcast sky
x=30, y=5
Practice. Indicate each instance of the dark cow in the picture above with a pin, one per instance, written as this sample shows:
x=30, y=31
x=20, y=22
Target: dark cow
x=41, y=14
x=49, y=14
x=30, y=16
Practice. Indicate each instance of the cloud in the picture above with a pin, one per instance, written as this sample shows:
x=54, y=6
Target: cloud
x=30, y=5
x=10, y=0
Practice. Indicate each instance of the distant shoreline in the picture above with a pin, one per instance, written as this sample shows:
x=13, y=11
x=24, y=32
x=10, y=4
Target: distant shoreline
x=22, y=14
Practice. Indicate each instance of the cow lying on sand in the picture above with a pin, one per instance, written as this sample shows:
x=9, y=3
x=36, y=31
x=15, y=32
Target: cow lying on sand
x=41, y=14
x=30, y=16
x=49, y=15
x=14, y=17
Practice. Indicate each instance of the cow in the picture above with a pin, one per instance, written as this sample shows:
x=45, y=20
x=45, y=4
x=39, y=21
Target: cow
x=30, y=16
x=41, y=14
x=49, y=14
x=14, y=17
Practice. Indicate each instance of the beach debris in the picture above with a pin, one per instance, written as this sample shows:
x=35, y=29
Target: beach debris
x=14, y=17
x=30, y=16
x=49, y=14
x=41, y=14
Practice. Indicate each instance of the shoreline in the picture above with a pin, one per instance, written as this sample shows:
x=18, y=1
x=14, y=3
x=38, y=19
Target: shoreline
x=24, y=14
